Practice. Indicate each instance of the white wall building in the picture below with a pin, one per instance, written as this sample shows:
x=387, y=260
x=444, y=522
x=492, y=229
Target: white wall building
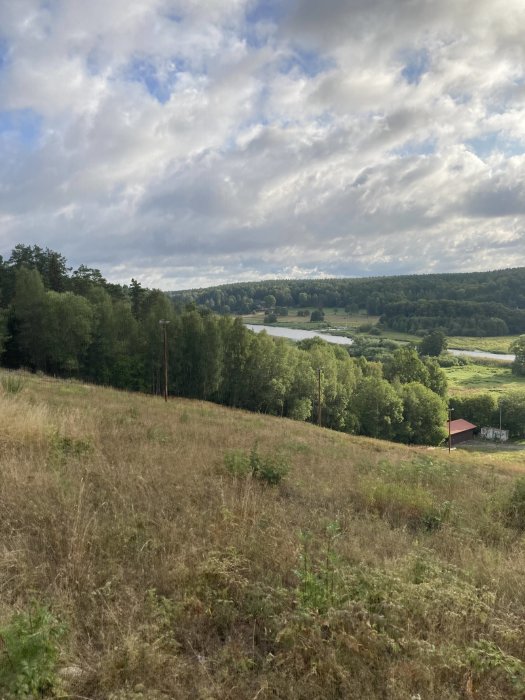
x=495, y=434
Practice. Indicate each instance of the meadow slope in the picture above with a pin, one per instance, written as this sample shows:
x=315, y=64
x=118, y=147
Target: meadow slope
x=139, y=561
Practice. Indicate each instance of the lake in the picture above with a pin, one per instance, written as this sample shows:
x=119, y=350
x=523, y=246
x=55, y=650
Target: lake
x=296, y=334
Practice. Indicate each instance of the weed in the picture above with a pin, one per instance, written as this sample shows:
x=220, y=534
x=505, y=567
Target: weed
x=485, y=657
x=237, y=463
x=12, y=383
x=268, y=468
x=514, y=509
x=320, y=578
x=65, y=447
x=29, y=653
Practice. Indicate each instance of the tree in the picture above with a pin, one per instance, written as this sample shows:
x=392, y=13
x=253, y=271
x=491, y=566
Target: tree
x=437, y=379
x=405, y=366
x=378, y=408
x=433, y=344
x=480, y=409
x=68, y=330
x=317, y=315
x=29, y=318
x=270, y=301
x=136, y=294
x=518, y=348
x=3, y=330
x=424, y=416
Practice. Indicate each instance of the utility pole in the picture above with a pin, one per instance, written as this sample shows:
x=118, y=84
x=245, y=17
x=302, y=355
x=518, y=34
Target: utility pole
x=449, y=433
x=319, y=370
x=163, y=323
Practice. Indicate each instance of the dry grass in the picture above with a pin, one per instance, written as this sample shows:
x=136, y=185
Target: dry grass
x=371, y=571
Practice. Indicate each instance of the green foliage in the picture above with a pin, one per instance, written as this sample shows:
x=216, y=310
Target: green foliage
x=518, y=348
x=377, y=407
x=433, y=344
x=480, y=409
x=269, y=468
x=317, y=315
x=12, y=383
x=424, y=415
x=29, y=653
x=514, y=508
x=404, y=505
x=320, y=582
x=64, y=447
x=485, y=657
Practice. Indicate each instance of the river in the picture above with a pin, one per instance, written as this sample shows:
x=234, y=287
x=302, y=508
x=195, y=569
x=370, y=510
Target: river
x=296, y=334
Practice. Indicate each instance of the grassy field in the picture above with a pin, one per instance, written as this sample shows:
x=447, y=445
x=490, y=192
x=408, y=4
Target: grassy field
x=148, y=551
x=498, y=344
x=335, y=319
x=478, y=376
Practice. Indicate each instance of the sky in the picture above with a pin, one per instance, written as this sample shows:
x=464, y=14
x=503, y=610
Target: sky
x=188, y=143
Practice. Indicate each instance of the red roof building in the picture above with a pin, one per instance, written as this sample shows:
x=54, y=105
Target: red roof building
x=460, y=430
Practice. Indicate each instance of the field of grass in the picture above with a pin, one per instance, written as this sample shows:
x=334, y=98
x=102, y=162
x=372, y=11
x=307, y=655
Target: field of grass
x=334, y=319
x=486, y=377
x=139, y=560
x=498, y=344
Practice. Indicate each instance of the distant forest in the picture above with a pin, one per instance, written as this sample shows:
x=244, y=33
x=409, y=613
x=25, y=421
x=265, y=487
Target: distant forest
x=73, y=323
x=471, y=304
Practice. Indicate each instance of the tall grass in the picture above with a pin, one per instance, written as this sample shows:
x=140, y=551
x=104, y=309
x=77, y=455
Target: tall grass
x=370, y=570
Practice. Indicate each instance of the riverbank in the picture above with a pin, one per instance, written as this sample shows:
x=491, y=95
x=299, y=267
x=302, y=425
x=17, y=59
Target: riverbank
x=297, y=334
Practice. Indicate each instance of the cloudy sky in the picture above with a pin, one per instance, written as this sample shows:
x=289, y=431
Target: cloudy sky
x=194, y=142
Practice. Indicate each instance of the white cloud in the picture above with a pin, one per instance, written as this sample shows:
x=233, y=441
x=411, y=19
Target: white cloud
x=186, y=142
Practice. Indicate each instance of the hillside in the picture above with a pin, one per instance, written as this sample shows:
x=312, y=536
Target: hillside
x=138, y=560
x=464, y=304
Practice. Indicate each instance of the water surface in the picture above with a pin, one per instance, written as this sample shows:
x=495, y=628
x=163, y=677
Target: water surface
x=298, y=334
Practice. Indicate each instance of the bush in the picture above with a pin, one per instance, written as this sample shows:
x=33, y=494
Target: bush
x=268, y=468
x=316, y=316
x=29, y=653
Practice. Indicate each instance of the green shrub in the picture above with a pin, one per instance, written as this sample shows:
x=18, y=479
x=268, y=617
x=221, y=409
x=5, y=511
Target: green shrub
x=268, y=468
x=321, y=584
x=237, y=463
x=12, y=383
x=485, y=657
x=406, y=505
x=29, y=653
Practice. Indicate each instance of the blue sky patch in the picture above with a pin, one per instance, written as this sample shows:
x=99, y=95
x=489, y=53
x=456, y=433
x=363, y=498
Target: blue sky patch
x=308, y=63
x=426, y=147
x=158, y=83
x=21, y=126
x=417, y=63
x=492, y=141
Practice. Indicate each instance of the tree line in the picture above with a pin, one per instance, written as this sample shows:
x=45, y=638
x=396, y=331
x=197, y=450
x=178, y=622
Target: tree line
x=481, y=303
x=74, y=323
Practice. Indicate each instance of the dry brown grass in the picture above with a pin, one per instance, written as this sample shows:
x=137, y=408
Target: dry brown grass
x=177, y=580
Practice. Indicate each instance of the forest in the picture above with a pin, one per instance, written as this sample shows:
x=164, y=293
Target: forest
x=469, y=304
x=73, y=323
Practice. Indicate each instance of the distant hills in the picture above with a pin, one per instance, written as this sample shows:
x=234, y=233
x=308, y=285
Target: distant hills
x=472, y=303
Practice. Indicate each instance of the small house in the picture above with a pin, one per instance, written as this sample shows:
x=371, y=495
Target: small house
x=460, y=430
